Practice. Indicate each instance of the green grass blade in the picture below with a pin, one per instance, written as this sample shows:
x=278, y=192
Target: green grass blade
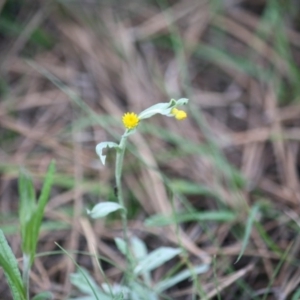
x=10, y=266
x=190, y=188
x=27, y=200
x=32, y=226
x=220, y=216
x=42, y=201
x=250, y=221
x=27, y=209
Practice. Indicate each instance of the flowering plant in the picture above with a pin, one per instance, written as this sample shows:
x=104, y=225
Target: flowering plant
x=131, y=121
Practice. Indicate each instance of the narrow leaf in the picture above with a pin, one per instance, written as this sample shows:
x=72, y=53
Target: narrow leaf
x=250, y=221
x=102, y=209
x=10, y=266
x=101, y=146
x=36, y=220
x=156, y=258
x=217, y=216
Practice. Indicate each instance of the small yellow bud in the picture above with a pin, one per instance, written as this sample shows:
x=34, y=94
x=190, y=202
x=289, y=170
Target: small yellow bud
x=179, y=114
x=174, y=111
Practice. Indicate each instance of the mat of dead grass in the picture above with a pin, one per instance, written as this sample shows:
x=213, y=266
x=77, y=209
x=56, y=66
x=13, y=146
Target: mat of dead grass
x=239, y=146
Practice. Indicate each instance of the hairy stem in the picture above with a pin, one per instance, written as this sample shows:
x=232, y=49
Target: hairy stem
x=118, y=175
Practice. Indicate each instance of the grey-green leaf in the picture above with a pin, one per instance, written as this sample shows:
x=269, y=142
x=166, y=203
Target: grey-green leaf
x=164, y=108
x=101, y=146
x=159, y=108
x=155, y=259
x=121, y=245
x=138, y=247
x=140, y=252
x=102, y=209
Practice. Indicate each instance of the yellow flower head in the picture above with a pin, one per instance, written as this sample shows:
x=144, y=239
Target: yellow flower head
x=179, y=114
x=130, y=120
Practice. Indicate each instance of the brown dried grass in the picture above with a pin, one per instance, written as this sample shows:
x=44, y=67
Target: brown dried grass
x=110, y=57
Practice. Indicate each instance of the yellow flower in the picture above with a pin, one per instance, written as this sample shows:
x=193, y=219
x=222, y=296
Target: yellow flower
x=179, y=114
x=130, y=120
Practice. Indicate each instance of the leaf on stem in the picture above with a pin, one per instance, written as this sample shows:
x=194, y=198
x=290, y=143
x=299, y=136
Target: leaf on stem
x=87, y=285
x=121, y=245
x=102, y=209
x=164, y=108
x=156, y=258
x=101, y=146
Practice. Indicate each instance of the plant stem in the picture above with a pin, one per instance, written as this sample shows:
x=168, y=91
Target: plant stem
x=26, y=272
x=118, y=175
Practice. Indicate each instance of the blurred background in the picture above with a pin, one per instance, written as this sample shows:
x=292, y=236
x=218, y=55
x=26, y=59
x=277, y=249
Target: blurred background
x=69, y=71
